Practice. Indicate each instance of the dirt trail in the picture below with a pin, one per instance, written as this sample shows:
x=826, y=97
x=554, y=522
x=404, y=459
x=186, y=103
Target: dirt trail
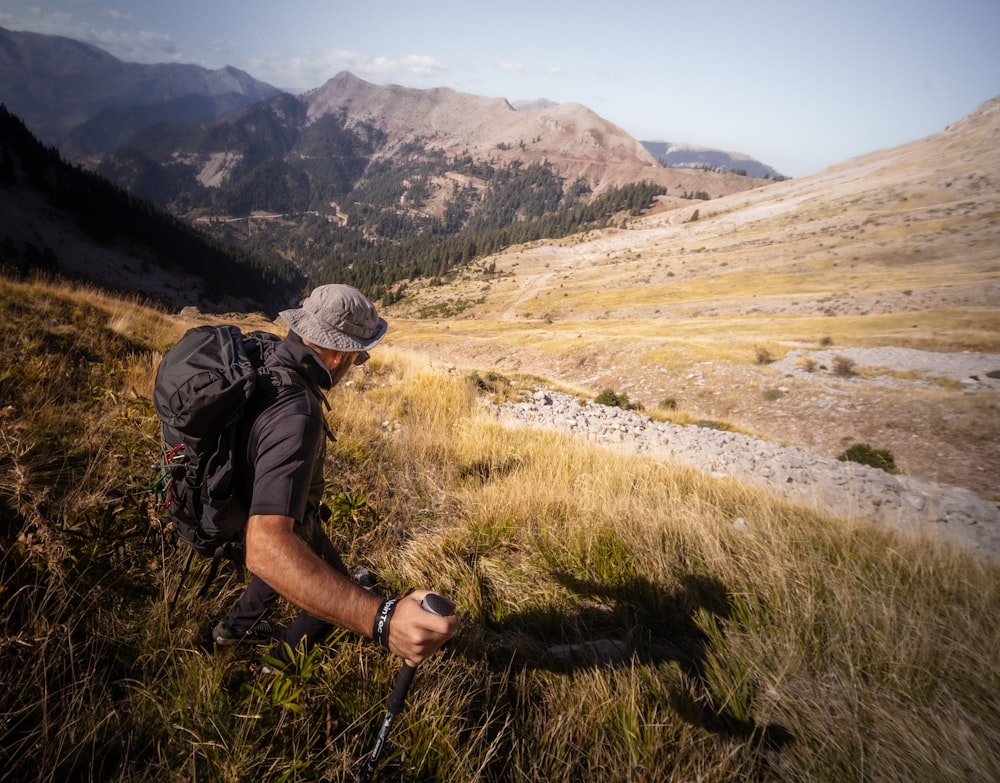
x=531, y=288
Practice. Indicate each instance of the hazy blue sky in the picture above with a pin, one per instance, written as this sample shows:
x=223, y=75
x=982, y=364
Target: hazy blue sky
x=799, y=85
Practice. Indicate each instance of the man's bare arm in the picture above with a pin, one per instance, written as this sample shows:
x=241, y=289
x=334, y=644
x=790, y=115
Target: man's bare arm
x=286, y=563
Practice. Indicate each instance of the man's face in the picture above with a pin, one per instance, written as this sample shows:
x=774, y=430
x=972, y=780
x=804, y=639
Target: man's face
x=342, y=363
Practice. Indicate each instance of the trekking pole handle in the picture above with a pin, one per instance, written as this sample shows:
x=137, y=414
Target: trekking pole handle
x=435, y=604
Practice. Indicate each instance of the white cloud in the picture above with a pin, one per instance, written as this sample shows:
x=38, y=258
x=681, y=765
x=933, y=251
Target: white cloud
x=307, y=71
x=38, y=21
x=515, y=66
x=140, y=47
x=416, y=66
x=118, y=14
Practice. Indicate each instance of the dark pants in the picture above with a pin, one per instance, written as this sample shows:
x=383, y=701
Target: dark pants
x=259, y=595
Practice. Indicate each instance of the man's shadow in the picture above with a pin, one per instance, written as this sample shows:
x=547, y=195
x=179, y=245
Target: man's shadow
x=635, y=621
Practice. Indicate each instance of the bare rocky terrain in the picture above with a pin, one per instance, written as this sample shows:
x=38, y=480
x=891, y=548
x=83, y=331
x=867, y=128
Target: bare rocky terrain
x=942, y=435
x=846, y=489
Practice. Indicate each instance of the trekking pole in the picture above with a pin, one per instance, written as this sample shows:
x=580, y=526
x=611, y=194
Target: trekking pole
x=435, y=604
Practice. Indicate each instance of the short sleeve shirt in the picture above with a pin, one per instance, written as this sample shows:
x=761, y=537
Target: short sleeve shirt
x=283, y=439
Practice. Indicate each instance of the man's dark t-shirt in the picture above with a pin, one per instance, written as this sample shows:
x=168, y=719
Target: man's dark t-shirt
x=282, y=438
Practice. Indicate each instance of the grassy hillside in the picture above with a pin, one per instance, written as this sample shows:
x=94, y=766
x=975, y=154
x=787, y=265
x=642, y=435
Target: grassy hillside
x=895, y=249
x=788, y=647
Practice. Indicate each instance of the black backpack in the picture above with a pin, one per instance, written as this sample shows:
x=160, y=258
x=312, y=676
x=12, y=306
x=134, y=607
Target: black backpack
x=202, y=387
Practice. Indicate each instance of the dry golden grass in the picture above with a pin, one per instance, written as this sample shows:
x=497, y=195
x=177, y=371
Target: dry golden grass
x=786, y=626
x=759, y=641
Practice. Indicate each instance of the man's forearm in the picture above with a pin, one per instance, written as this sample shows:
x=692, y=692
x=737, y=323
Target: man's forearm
x=287, y=564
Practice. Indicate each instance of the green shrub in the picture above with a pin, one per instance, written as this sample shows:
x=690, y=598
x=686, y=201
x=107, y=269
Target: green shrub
x=607, y=397
x=490, y=382
x=843, y=366
x=613, y=400
x=864, y=454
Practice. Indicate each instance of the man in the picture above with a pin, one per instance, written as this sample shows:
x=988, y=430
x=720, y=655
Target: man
x=280, y=453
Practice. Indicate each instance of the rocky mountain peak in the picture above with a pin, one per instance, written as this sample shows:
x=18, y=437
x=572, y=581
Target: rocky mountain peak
x=575, y=140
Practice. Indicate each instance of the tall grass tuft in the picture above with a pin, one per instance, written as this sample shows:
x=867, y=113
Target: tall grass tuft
x=623, y=619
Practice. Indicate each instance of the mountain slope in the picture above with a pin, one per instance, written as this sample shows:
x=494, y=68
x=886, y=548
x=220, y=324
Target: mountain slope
x=893, y=249
x=58, y=85
x=676, y=155
x=369, y=184
x=576, y=141
x=87, y=102
x=56, y=218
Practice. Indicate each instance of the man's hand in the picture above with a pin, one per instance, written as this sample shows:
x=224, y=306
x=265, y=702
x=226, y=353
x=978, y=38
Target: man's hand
x=416, y=634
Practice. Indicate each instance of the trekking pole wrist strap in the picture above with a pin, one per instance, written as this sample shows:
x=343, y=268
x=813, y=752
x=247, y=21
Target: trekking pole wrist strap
x=380, y=629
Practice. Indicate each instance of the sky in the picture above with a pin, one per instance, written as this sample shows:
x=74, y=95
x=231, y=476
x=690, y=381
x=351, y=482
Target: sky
x=797, y=84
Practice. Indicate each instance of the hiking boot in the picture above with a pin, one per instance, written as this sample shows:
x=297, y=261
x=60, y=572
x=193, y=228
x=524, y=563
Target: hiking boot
x=227, y=635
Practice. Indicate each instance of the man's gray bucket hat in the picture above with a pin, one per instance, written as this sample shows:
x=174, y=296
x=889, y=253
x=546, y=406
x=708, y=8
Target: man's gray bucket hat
x=338, y=317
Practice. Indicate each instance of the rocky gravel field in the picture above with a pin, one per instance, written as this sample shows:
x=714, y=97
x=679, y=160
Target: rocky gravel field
x=845, y=489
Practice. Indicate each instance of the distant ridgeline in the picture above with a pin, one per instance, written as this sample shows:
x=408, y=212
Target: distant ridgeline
x=688, y=156
x=112, y=217
x=381, y=237
x=337, y=201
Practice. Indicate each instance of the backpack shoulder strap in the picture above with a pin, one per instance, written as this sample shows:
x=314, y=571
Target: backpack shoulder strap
x=286, y=376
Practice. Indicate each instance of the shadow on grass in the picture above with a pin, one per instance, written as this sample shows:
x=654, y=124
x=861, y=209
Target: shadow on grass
x=636, y=622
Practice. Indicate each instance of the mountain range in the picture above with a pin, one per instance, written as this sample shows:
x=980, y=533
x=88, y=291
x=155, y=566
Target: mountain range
x=352, y=181
x=678, y=155
x=87, y=102
x=335, y=134
x=83, y=100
